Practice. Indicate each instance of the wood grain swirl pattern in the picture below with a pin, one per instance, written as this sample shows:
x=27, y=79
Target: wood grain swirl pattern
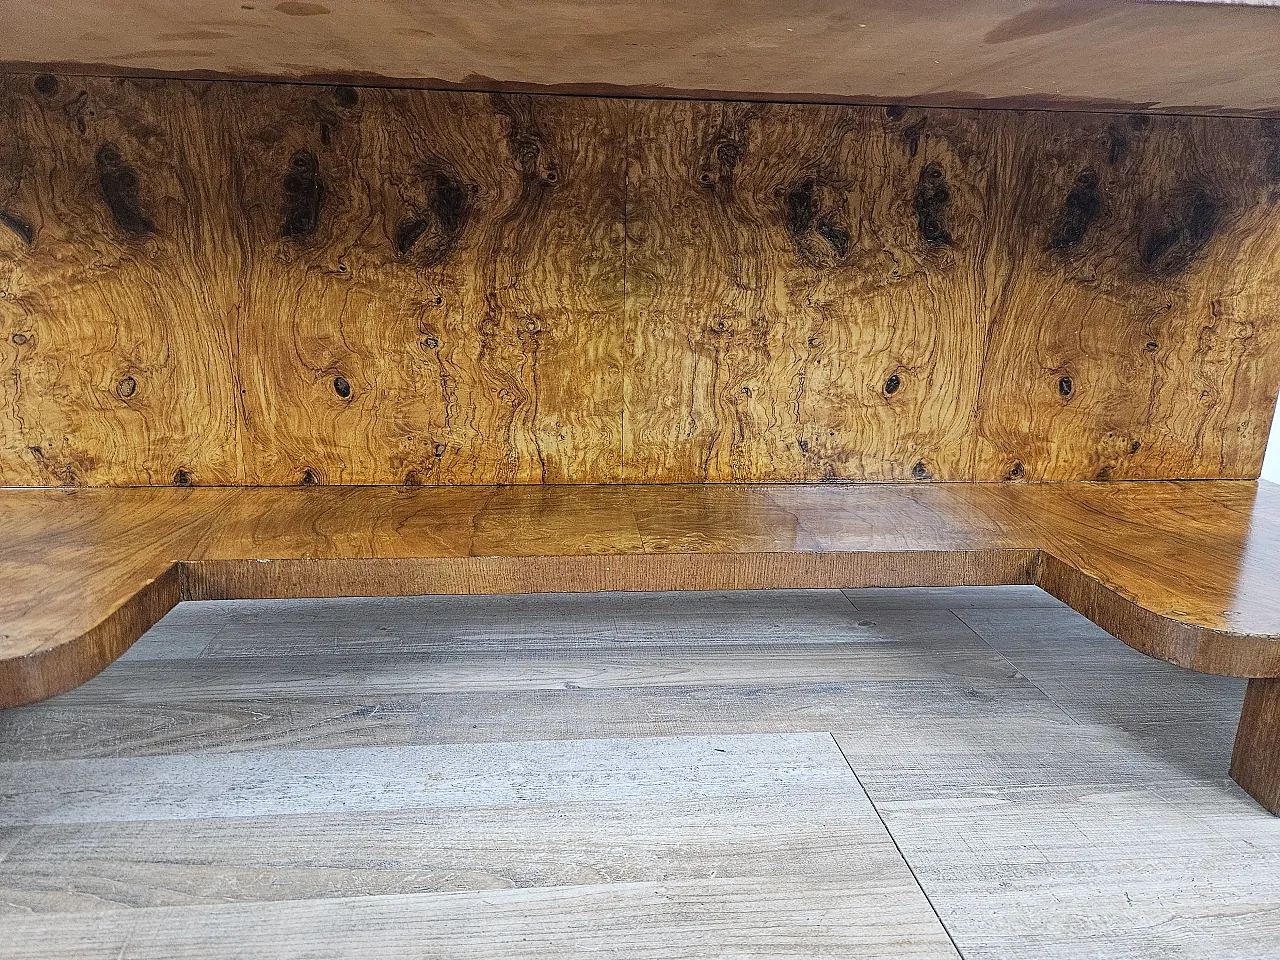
x=117, y=366
x=1134, y=329
x=229, y=283
x=450, y=318
x=790, y=319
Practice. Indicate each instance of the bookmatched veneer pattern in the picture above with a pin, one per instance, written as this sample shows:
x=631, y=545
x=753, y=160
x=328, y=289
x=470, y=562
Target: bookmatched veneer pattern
x=320, y=311
x=273, y=284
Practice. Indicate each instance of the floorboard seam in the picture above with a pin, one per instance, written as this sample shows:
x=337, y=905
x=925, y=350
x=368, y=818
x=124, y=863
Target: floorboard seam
x=1065, y=712
x=894, y=840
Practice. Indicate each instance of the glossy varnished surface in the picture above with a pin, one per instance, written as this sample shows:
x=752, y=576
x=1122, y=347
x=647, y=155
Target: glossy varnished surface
x=1183, y=571
x=274, y=284
x=1081, y=53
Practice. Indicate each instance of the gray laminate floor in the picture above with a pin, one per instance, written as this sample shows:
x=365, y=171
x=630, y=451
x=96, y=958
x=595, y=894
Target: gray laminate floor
x=869, y=773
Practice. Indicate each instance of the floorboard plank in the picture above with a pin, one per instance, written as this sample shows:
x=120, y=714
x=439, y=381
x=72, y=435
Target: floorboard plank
x=397, y=672
x=530, y=849
x=1094, y=677
x=73, y=868
x=688, y=920
x=272, y=719
x=1119, y=835
x=283, y=782
x=1017, y=597
x=542, y=775
x=1143, y=872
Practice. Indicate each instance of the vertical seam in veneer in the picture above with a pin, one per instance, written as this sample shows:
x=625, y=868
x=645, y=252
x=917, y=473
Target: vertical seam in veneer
x=894, y=840
x=626, y=311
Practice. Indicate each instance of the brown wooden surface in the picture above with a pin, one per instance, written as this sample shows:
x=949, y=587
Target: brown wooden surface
x=117, y=365
x=777, y=279
x=1080, y=53
x=229, y=283
x=1255, y=764
x=1182, y=571
x=1118, y=354
x=464, y=278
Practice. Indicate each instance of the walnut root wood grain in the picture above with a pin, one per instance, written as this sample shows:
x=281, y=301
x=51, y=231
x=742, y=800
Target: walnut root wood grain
x=227, y=283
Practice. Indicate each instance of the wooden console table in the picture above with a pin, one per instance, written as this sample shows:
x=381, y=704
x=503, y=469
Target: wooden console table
x=334, y=334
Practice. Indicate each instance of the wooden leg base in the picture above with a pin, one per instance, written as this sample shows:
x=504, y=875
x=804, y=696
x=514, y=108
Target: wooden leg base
x=1255, y=765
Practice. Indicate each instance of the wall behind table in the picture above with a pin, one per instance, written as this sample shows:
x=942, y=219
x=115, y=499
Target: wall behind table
x=279, y=284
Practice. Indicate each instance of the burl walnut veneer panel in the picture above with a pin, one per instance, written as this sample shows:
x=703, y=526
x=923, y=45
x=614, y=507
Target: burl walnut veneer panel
x=235, y=283
x=790, y=314
x=217, y=283
x=438, y=299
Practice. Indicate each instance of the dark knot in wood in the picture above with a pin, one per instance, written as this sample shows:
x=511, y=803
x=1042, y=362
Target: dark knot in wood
x=1176, y=235
x=804, y=217
x=932, y=196
x=1079, y=210
x=119, y=185
x=436, y=230
x=303, y=196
